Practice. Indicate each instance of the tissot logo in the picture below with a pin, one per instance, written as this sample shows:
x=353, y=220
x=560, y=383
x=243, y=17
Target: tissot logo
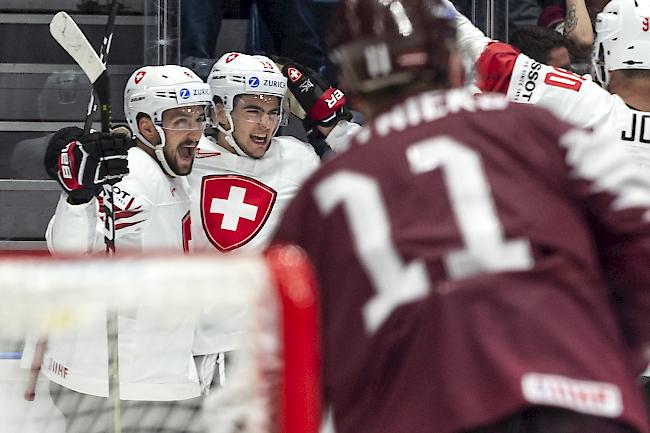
x=184, y=93
x=253, y=81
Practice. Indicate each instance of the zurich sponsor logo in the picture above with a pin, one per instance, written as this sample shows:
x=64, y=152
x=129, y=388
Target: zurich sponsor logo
x=184, y=93
x=253, y=81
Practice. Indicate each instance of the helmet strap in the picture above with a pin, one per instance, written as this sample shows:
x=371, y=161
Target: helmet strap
x=158, y=150
x=229, y=137
x=161, y=155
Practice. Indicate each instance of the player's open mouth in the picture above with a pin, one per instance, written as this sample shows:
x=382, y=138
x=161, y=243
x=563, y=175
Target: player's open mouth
x=186, y=151
x=259, y=139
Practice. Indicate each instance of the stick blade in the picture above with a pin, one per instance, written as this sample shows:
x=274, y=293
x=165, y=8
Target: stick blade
x=66, y=32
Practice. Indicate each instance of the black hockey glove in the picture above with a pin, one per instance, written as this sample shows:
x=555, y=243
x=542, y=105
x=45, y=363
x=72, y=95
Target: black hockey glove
x=83, y=163
x=323, y=104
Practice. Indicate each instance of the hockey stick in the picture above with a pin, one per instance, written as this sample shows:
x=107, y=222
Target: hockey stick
x=66, y=32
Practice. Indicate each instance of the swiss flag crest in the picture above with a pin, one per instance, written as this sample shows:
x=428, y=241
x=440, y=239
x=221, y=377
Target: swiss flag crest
x=231, y=57
x=294, y=74
x=139, y=76
x=234, y=209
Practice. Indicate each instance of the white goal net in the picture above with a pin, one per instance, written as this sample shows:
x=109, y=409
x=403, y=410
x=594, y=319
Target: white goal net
x=165, y=344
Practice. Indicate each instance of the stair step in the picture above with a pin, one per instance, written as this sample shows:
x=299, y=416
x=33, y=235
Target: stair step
x=34, y=92
x=129, y=6
x=26, y=38
x=26, y=207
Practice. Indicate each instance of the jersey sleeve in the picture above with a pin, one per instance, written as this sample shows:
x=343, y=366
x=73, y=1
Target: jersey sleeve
x=80, y=228
x=340, y=136
x=133, y=212
x=471, y=40
x=615, y=193
x=572, y=97
x=74, y=228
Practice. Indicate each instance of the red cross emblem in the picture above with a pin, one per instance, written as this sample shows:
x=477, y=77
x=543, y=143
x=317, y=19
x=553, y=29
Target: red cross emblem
x=234, y=209
x=139, y=76
x=294, y=74
x=231, y=57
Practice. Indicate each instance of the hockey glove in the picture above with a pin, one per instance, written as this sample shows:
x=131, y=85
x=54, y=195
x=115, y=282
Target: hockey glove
x=323, y=104
x=83, y=163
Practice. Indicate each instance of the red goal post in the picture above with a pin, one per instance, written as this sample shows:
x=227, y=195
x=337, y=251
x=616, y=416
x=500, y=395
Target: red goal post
x=271, y=387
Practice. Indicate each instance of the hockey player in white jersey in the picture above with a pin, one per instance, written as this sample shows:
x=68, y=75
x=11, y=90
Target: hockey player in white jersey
x=165, y=107
x=245, y=175
x=621, y=64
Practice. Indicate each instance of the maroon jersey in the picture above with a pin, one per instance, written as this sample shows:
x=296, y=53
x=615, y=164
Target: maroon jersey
x=476, y=258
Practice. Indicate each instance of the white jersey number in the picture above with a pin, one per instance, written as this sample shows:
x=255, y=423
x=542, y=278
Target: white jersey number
x=397, y=282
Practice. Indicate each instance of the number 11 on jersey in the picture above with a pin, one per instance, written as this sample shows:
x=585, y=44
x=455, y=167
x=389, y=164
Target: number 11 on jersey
x=395, y=282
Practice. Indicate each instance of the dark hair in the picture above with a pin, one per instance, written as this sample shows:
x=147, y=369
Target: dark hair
x=537, y=42
x=635, y=73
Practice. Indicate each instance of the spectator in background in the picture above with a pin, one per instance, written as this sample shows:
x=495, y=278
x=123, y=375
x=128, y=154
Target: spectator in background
x=542, y=44
x=290, y=23
x=570, y=19
x=523, y=13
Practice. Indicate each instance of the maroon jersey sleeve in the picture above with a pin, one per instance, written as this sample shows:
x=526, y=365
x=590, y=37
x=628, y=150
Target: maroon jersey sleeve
x=463, y=247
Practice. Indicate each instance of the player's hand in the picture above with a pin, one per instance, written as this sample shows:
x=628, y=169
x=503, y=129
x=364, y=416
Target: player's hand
x=323, y=104
x=83, y=163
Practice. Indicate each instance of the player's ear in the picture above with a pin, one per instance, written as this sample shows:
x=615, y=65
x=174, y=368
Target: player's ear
x=219, y=115
x=147, y=129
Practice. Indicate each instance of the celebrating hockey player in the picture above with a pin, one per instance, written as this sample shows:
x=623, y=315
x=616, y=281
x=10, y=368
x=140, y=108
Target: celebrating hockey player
x=165, y=107
x=244, y=177
x=621, y=65
x=483, y=266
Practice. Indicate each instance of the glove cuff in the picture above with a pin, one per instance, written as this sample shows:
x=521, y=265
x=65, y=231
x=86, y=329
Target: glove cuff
x=58, y=141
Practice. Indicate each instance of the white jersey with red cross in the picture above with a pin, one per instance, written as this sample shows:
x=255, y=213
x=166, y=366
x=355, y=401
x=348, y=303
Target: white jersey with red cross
x=237, y=200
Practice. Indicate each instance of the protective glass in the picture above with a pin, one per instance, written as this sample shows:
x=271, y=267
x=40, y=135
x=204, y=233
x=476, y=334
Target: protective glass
x=190, y=118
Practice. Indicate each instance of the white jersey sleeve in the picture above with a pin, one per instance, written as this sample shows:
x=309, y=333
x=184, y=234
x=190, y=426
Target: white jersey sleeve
x=74, y=228
x=149, y=211
x=471, y=40
x=340, y=136
x=571, y=97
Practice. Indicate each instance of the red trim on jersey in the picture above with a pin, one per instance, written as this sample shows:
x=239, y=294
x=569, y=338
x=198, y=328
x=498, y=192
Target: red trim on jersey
x=119, y=226
x=495, y=66
x=126, y=213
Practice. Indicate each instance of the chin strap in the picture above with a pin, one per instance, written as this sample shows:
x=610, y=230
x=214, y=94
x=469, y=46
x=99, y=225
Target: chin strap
x=158, y=150
x=228, y=135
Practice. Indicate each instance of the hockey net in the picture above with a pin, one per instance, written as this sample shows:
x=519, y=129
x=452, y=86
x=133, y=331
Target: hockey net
x=270, y=382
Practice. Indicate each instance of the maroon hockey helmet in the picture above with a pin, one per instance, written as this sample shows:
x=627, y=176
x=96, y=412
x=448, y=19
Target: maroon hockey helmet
x=385, y=43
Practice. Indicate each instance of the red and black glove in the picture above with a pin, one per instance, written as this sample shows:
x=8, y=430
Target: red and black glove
x=323, y=104
x=83, y=163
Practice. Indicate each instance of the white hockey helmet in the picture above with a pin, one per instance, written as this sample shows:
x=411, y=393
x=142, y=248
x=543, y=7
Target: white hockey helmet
x=242, y=74
x=152, y=90
x=622, y=38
